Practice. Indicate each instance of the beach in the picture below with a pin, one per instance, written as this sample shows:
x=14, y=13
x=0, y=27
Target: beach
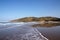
x=25, y=31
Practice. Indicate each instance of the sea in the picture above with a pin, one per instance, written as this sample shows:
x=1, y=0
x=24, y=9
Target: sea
x=25, y=31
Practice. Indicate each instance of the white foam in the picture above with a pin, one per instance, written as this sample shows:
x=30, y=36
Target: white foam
x=33, y=32
x=40, y=34
x=10, y=23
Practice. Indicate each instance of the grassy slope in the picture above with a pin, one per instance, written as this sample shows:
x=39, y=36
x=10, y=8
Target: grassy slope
x=31, y=19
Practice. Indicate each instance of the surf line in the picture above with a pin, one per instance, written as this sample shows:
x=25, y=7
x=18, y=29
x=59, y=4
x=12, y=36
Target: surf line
x=40, y=33
x=11, y=27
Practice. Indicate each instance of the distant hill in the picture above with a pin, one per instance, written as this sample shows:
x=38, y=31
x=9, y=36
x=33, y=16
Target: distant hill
x=36, y=19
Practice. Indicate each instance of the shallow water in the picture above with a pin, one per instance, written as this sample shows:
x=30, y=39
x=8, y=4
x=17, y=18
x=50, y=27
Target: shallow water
x=24, y=31
x=16, y=31
x=52, y=33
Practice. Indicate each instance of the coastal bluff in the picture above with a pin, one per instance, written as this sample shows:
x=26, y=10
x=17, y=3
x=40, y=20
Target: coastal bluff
x=36, y=19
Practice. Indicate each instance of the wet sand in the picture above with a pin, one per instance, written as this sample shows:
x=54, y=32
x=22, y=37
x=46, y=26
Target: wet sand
x=24, y=32
x=50, y=31
x=27, y=32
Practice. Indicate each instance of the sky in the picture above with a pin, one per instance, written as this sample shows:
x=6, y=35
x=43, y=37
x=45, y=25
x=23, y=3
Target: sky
x=13, y=9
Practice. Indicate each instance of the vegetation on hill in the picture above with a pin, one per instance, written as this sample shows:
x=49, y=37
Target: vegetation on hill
x=34, y=19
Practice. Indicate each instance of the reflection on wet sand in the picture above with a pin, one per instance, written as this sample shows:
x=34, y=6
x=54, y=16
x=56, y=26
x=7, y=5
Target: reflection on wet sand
x=51, y=31
x=28, y=32
x=24, y=32
x=46, y=25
